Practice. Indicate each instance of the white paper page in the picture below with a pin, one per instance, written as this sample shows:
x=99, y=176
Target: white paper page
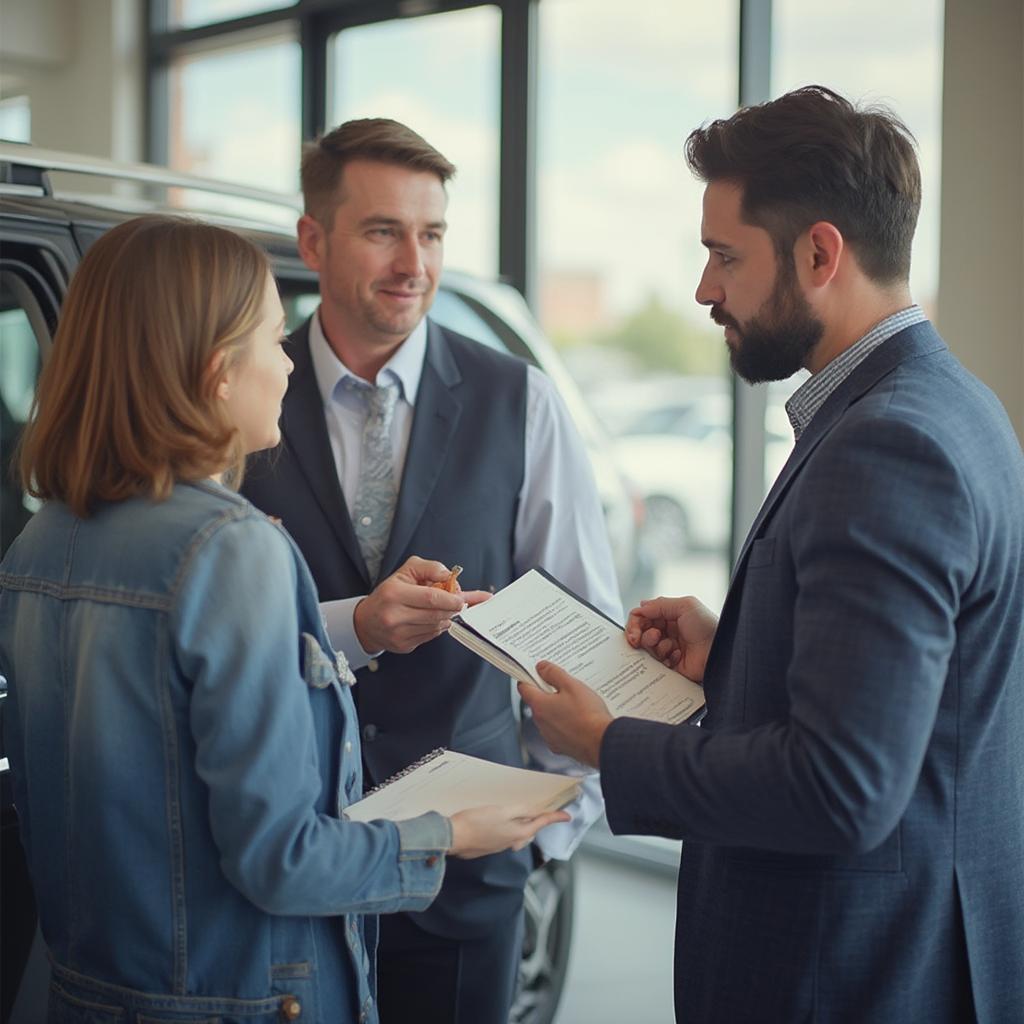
x=534, y=619
x=454, y=782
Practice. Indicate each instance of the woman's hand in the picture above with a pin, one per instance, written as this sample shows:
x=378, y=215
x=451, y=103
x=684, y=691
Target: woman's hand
x=482, y=830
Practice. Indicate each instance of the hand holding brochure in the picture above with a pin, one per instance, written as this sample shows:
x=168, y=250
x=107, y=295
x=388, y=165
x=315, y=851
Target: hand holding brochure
x=447, y=782
x=536, y=618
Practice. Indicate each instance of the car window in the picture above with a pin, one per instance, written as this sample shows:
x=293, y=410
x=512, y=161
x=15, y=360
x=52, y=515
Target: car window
x=20, y=319
x=299, y=303
x=450, y=311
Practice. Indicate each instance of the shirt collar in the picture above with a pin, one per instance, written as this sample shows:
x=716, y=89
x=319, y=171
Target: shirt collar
x=812, y=394
x=405, y=366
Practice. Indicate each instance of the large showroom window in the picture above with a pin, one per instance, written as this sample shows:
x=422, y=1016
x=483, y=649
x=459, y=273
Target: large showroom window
x=620, y=256
x=234, y=110
x=194, y=13
x=566, y=120
x=438, y=74
x=870, y=51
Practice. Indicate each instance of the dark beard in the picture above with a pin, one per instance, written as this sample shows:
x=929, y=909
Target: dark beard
x=776, y=342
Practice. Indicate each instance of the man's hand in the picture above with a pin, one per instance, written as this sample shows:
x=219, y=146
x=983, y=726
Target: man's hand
x=677, y=630
x=404, y=611
x=572, y=720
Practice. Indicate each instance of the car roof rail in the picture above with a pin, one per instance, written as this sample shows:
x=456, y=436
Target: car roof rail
x=24, y=166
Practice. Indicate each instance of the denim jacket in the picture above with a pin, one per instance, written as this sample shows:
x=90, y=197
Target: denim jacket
x=182, y=748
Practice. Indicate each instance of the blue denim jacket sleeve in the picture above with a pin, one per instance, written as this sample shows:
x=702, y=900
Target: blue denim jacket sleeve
x=235, y=632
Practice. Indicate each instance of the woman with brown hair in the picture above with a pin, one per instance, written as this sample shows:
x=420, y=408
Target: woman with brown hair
x=180, y=732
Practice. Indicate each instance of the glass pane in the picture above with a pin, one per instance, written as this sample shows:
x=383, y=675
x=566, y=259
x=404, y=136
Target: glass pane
x=440, y=75
x=299, y=303
x=234, y=114
x=16, y=119
x=620, y=257
x=870, y=51
x=190, y=13
x=19, y=365
x=19, y=368
x=452, y=312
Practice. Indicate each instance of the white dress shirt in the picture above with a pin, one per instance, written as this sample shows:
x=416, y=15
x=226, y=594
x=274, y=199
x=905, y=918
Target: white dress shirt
x=559, y=524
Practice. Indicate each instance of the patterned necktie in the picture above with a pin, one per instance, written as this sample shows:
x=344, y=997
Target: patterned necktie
x=377, y=489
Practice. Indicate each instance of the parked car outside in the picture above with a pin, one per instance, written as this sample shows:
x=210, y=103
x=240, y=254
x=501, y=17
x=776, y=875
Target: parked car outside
x=44, y=230
x=673, y=438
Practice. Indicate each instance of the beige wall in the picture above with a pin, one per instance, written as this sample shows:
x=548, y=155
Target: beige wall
x=981, y=276
x=81, y=63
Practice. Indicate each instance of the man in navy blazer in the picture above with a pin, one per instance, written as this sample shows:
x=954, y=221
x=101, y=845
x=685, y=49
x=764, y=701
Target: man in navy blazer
x=852, y=807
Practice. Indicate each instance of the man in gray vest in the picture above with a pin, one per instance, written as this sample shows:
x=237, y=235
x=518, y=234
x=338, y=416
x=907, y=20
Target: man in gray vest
x=403, y=439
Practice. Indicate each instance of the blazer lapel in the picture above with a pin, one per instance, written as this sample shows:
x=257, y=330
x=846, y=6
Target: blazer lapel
x=917, y=340
x=433, y=426
x=305, y=435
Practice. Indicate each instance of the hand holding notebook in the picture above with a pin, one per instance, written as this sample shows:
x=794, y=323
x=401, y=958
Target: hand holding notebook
x=449, y=782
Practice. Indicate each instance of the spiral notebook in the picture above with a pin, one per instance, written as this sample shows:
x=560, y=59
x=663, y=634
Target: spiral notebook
x=447, y=781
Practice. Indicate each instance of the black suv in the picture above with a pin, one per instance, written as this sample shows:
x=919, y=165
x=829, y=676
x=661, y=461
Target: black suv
x=52, y=208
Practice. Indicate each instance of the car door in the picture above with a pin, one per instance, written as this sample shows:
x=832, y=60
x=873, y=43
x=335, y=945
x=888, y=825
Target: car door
x=35, y=264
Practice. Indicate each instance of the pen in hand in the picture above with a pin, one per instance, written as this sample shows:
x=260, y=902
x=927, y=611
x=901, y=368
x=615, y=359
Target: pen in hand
x=450, y=584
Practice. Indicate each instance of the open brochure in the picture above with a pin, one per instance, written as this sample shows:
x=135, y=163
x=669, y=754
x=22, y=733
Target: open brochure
x=536, y=618
x=447, y=781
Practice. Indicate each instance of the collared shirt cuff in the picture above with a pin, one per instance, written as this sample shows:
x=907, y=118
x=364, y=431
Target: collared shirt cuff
x=560, y=841
x=339, y=620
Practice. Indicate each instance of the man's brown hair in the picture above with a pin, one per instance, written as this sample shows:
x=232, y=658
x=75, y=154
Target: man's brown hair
x=126, y=403
x=370, y=138
x=812, y=155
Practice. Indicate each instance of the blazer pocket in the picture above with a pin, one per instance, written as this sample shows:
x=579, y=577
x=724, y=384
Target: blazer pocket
x=762, y=552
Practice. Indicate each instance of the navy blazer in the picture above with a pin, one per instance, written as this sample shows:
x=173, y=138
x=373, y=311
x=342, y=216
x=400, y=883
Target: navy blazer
x=852, y=808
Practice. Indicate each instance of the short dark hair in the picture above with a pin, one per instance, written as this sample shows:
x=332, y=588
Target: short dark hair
x=368, y=138
x=812, y=155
